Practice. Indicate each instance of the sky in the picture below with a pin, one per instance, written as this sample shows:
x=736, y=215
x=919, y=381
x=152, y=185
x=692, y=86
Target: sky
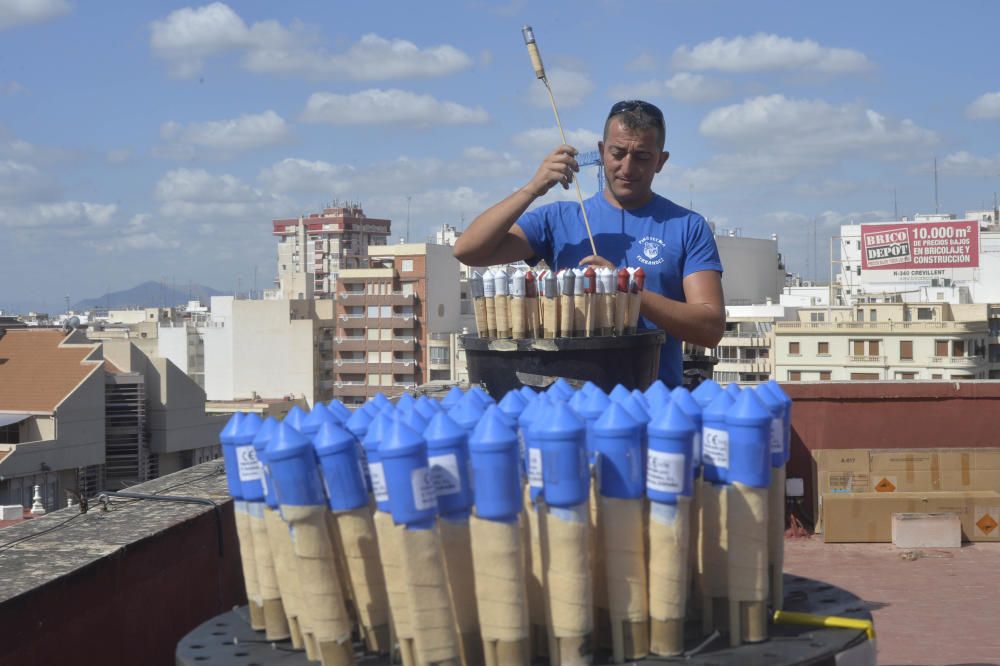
x=157, y=140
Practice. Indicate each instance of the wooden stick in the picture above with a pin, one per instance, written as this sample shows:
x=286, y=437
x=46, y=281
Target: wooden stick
x=715, y=548
x=245, y=535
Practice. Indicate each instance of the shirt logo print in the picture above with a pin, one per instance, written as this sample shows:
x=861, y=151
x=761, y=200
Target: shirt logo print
x=652, y=249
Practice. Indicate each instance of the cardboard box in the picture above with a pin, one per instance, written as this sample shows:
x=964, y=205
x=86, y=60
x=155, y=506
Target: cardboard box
x=839, y=471
x=867, y=517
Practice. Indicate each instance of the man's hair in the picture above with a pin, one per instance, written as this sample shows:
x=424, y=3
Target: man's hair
x=637, y=116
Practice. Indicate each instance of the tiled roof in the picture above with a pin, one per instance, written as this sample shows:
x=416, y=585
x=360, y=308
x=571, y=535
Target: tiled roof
x=37, y=371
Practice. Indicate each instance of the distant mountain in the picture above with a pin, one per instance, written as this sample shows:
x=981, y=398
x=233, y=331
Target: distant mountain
x=149, y=294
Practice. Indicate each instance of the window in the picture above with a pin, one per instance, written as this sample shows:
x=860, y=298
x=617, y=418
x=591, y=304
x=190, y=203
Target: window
x=386, y=311
x=793, y=349
x=407, y=266
x=794, y=376
x=373, y=333
x=958, y=348
x=439, y=355
x=372, y=310
x=817, y=316
x=859, y=270
x=940, y=347
x=859, y=315
x=824, y=375
x=864, y=375
x=936, y=375
x=386, y=357
x=925, y=314
x=873, y=347
x=873, y=315
x=763, y=353
x=906, y=350
x=906, y=375
x=823, y=348
x=859, y=347
x=373, y=357
x=386, y=333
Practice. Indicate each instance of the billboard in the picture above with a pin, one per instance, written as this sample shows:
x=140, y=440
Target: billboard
x=919, y=246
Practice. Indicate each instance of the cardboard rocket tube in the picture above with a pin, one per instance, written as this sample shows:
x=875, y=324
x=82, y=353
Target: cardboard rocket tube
x=479, y=303
x=636, y=286
x=625, y=565
x=284, y=567
x=341, y=566
x=598, y=575
x=579, y=315
x=391, y=553
x=621, y=301
x=360, y=543
x=715, y=549
x=276, y=623
x=776, y=537
x=497, y=552
x=431, y=612
x=489, y=292
x=747, y=564
x=566, y=312
x=668, y=575
x=590, y=308
x=550, y=316
x=502, y=310
x=518, y=318
x=457, y=549
x=245, y=535
x=531, y=312
x=694, y=553
x=567, y=576
x=322, y=596
x=535, y=578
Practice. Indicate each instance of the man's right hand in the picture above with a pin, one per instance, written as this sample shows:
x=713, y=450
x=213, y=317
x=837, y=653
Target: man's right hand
x=558, y=167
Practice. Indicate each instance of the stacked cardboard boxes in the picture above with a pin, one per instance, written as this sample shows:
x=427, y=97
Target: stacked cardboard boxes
x=858, y=490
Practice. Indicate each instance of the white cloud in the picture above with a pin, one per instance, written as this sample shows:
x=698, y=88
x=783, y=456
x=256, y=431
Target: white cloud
x=569, y=87
x=804, y=126
x=11, y=88
x=986, y=106
x=223, y=138
x=762, y=52
x=186, y=37
x=543, y=140
x=137, y=234
x=118, y=156
x=73, y=217
x=373, y=58
x=379, y=107
x=195, y=194
x=298, y=175
x=24, y=12
x=23, y=183
x=965, y=163
x=689, y=87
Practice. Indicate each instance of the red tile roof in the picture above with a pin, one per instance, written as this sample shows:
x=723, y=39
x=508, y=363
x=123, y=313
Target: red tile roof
x=38, y=371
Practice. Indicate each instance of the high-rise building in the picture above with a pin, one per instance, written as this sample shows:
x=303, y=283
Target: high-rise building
x=388, y=316
x=313, y=250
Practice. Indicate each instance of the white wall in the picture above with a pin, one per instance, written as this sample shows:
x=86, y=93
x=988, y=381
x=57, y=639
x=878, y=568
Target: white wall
x=172, y=344
x=749, y=269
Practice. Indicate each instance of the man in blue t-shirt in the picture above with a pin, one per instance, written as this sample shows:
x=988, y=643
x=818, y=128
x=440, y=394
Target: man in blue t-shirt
x=632, y=226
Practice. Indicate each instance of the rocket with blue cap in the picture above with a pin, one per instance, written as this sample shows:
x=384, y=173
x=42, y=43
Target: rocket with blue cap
x=716, y=461
x=776, y=495
x=299, y=488
x=498, y=549
x=243, y=529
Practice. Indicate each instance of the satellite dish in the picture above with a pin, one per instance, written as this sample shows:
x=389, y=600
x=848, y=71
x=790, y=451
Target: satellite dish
x=71, y=324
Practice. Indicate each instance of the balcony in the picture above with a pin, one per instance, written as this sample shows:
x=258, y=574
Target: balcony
x=958, y=361
x=866, y=360
x=364, y=298
x=913, y=327
x=350, y=362
x=352, y=343
x=743, y=365
x=744, y=340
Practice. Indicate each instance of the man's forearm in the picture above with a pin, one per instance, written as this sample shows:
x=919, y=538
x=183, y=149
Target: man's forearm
x=698, y=323
x=482, y=243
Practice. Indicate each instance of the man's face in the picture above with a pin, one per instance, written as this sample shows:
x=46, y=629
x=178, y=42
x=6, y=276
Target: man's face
x=631, y=159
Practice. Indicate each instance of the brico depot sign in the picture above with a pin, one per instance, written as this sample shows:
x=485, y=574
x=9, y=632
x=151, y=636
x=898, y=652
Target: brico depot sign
x=916, y=247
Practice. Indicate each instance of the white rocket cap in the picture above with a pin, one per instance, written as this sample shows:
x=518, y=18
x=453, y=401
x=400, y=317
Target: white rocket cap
x=500, y=282
x=489, y=286
x=517, y=284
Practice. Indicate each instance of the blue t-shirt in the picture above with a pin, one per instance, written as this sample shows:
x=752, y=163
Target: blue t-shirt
x=668, y=241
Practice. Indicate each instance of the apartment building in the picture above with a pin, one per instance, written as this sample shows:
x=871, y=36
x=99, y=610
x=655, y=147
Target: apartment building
x=392, y=318
x=889, y=341
x=312, y=250
x=78, y=415
x=745, y=352
x=271, y=348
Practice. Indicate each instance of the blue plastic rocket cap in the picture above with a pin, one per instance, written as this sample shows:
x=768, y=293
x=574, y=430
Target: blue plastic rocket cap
x=641, y=397
x=332, y=438
x=635, y=408
x=376, y=430
x=380, y=401
x=483, y=397
x=683, y=399
x=513, y=404
x=561, y=421
x=263, y=437
x=443, y=432
x=339, y=409
x=618, y=393
x=576, y=401
x=314, y=419
x=672, y=422
x=748, y=410
x=718, y=408
x=493, y=432
x=733, y=389
x=295, y=417
x=405, y=402
x=770, y=400
x=466, y=413
x=561, y=388
x=589, y=388
x=229, y=430
x=595, y=405
x=528, y=392
x=247, y=429
x=287, y=442
x=705, y=392
x=780, y=392
x=369, y=408
x=401, y=440
x=540, y=402
x=615, y=421
x=412, y=418
x=425, y=407
x=358, y=423
x=657, y=393
x=454, y=395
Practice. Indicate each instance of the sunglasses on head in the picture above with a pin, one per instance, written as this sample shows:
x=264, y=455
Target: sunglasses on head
x=637, y=104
